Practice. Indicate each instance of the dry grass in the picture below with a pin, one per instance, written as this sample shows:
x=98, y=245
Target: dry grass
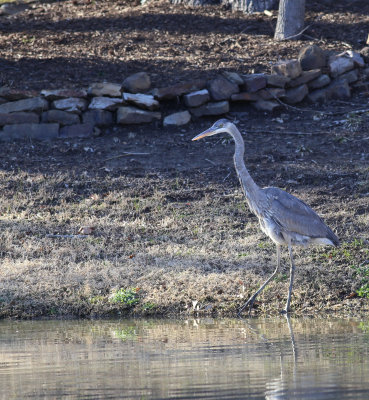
x=179, y=246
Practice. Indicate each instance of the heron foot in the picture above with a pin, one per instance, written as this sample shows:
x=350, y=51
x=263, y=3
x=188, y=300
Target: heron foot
x=248, y=304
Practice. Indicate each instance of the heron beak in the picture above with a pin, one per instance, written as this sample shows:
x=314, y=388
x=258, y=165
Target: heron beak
x=208, y=132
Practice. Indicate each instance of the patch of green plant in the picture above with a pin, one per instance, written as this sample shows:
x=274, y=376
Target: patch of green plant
x=364, y=326
x=281, y=278
x=265, y=245
x=362, y=272
x=137, y=204
x=347, y=251
x=128, y=297
x=363, y=291
x=148, y=306
x=96, y=299
x=240, y=255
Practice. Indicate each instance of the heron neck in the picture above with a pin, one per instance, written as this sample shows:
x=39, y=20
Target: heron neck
x=250, y=188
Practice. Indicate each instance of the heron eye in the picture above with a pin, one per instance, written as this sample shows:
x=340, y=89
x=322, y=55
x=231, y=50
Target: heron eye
x=221, y=126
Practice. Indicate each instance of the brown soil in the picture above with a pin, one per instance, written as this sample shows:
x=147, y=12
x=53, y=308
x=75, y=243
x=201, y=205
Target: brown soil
x=172, y=223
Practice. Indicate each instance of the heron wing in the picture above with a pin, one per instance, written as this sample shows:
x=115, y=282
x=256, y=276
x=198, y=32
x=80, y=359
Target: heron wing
x=293, y=215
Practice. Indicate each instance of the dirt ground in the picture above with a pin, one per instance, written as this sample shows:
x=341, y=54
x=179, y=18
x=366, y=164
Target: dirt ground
x=171, y=227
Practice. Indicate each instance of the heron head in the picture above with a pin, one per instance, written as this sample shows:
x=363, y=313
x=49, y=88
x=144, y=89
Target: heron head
x=223, y=125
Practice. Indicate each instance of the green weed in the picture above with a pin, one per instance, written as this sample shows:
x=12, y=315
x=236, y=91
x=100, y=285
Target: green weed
x=96, y=299
x=362, y=272
x=148, y=306
x=241, y=255
x=128, y=297
x=281, y=278
x=364, y=326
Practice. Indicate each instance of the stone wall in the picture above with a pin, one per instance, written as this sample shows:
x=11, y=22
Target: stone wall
x=68, y=113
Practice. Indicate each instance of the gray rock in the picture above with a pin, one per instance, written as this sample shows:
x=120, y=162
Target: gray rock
x=196, y=99
x=265, y=105
x=277, y=80
x=36, y=104
x=364, y=52
x=171, y=92
x=289, y=68
x=321, y=81
x=30, y=131
x=140, y=100
x=139, y=82
x=356, y=58
x=339, y=64
x=16, y=94
x=305, y=77
x=216, y=108
x=222, y=89
x=318, y=96
x=312, y=57
x=245, y=96
x=233, y=77
x=71, y=104
x=61, y=117
x=339, y=89
x=177, y=119
x=63, y=93
x=271, y=93
x=19, y=118
x=254, y=82
x=365, y=73
x=296, y=94
x=105, y=103
x=98, y=117
x=77, y=131
x=12, y=8
x=105, y=89
x=351, y=76
x=131, y=115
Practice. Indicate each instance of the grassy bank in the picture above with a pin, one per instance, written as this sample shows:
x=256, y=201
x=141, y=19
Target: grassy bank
x=162, y=245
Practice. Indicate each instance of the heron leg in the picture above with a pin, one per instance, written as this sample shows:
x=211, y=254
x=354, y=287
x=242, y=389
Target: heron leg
x=250, y=301
x=292, y=274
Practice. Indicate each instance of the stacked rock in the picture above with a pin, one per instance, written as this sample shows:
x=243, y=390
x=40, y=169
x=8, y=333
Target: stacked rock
x=66, y=113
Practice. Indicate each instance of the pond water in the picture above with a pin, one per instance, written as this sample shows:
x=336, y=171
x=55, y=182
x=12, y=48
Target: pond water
x=185, y=359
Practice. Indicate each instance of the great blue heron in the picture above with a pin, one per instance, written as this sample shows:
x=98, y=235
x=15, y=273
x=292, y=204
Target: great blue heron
x=286, y=219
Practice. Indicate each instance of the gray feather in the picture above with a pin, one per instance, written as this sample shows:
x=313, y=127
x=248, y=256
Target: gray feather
x=293, y=215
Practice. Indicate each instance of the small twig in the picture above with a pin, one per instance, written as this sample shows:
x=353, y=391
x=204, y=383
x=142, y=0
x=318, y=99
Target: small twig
x=226, y=177
x=346, y=112
x=51, y=235
x=310, y=37
x=317, y=111
x=211, y=162
x=125, y=154
x=297, y=34
x=284, y=132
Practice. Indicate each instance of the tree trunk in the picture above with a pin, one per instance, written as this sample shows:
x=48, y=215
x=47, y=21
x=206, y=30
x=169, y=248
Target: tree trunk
x=290, y=21
x=247, y=6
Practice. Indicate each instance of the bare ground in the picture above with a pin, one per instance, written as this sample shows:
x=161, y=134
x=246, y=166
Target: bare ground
x=171, y=225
